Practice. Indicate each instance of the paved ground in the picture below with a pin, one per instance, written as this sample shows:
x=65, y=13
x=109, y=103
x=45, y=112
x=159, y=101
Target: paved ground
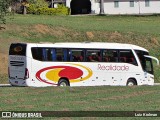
x=5, y=85
x=156, y=83
x=8, y=85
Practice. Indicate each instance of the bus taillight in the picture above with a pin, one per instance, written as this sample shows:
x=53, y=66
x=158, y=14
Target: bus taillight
x=26, y=74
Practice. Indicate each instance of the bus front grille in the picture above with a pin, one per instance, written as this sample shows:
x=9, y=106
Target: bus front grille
x=16, y=63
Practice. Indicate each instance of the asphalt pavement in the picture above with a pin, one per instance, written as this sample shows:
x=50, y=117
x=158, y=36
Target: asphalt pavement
x=8, y=85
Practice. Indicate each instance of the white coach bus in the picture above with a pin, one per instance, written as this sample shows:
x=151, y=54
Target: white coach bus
x=79, y=64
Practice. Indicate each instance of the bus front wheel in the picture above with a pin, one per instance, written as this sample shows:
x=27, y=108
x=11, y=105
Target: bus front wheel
x=63, y=82
x=131, y=82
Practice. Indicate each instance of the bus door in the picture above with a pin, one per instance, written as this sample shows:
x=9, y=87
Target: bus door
x=148, y=69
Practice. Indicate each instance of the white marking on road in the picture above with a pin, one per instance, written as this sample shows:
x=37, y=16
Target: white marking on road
x=5, y=85
x=156, y=83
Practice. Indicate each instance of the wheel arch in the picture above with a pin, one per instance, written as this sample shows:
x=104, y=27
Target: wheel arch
x=134, y=79
x=65, y=78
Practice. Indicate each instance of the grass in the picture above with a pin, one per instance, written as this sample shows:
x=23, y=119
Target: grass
x=68, y=26
x=139, y=30
x=126, y=29
x=80, y=98
x=4, y=79
x=104, y=98
x=141, y=25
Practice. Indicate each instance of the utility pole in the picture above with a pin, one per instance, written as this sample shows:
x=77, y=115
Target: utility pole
x=101, y=7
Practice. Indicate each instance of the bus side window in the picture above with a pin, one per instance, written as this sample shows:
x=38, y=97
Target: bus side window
x=110, y=56
x=65, y=55
x=37, y=53
x=53, y=54
x=34, y=53
x=59, y=54
x=127, y=56
x=47, y=54
x=93, y=55
x=76, y=55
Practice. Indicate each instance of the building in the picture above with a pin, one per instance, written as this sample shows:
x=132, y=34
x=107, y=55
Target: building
x=114, y=6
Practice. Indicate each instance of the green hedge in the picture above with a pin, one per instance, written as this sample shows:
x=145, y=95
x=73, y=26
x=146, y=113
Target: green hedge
x=61, y=10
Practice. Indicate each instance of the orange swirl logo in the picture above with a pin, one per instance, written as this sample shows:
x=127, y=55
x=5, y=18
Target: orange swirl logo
x=74, y=73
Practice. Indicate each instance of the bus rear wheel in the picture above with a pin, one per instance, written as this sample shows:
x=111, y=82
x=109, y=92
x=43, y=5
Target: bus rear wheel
x=63, y=82
x=131, y=82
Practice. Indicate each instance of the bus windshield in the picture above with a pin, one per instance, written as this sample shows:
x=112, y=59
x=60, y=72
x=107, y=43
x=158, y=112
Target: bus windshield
x=146, y=63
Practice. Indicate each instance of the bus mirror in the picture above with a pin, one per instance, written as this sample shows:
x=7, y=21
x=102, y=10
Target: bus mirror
x=152, y=58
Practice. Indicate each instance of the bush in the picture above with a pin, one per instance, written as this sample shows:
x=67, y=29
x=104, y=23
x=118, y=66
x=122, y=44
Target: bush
x=38, y=3
x=61, y=10
x=35, y=5
x=32, y=9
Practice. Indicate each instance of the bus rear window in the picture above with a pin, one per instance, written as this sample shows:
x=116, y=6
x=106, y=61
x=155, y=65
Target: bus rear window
x=17, y=49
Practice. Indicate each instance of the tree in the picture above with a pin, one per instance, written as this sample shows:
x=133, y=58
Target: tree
x=4, y=4
x=25, y=4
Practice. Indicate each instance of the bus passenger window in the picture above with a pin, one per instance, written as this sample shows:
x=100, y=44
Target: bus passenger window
x=59, y=58
x=36, y=53
x=76, y=55
x=110, y=56
x=53, y=55
x=127, y=56
x=47, y=54
x=59, y=54
x=93, y=56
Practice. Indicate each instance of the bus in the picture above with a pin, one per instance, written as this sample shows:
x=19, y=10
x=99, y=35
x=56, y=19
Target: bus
x=79, y=64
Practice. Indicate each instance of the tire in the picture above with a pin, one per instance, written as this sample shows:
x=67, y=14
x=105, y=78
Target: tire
x=131, y=82
x=63, y=83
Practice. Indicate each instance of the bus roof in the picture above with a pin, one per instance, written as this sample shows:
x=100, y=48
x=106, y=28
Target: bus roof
x=91, y=45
